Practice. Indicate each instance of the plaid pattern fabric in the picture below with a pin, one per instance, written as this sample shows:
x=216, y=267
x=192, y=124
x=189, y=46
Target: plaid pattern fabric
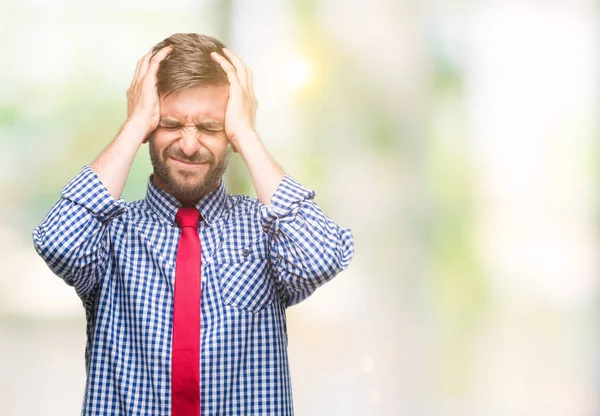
x=256, y=261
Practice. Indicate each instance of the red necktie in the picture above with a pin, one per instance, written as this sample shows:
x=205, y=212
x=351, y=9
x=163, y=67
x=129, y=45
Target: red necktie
x=185, y=379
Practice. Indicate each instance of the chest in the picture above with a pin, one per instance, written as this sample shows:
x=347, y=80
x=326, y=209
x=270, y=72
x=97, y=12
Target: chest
x=235, y=266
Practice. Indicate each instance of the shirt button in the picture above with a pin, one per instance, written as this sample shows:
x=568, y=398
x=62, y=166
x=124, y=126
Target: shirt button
x=245, y=252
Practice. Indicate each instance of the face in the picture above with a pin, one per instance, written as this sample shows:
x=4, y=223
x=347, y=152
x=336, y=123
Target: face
x=189, y=149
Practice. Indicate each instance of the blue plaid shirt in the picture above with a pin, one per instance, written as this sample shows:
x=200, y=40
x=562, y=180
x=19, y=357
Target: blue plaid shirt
x=256, y=261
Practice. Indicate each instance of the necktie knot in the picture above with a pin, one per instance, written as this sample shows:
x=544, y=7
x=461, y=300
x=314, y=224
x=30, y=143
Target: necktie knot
x=187, y=217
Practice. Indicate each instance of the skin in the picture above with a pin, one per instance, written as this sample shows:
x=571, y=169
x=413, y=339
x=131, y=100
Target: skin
x=189, y=149
x=190, y=133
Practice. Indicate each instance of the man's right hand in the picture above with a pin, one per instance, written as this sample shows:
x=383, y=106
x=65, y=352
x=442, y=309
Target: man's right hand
x=143, y=115
x=143, y=106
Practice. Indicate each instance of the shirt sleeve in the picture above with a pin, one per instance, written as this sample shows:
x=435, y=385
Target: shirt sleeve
x=73, y=238
x=307, y=248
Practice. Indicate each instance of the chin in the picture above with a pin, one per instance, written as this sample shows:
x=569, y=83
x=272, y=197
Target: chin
x=192, y=186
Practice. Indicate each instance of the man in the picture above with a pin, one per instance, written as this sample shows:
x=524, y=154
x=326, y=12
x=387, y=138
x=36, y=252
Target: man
x=185, y=291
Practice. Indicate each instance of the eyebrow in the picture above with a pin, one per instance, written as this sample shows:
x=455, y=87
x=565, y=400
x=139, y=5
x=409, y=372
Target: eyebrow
x=207, y=123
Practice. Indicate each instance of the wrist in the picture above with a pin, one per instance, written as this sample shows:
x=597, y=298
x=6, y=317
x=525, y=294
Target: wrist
x=247, y=139
x=137, y=126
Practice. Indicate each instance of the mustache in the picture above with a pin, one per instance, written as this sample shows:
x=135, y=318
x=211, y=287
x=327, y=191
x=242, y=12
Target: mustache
x=198, y=157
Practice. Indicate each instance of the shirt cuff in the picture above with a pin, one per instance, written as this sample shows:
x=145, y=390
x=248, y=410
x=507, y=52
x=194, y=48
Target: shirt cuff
x=87, y=190
x=284, y=202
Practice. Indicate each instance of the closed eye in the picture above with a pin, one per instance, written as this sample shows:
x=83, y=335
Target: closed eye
x=199, y=127
x=209, y=131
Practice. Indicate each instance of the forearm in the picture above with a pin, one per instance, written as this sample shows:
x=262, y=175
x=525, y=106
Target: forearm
x=71, y=241
x=143, y=112
x=312, y=244
x=265, y=173
x=72, y=238
x=113, y=164
x=307, y=247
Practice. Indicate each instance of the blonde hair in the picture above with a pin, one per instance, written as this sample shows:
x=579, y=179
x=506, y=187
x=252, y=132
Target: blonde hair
x=189, y=64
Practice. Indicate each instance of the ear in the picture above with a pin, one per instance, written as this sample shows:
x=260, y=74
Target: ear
x=148, y=138
x=230, y=148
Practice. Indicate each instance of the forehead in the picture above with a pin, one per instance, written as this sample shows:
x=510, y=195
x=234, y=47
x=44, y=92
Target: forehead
x=196, y=103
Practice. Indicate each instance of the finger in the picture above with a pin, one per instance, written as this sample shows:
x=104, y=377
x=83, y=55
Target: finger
x=148, y=137
x=155, y=58
x=251, y=87
x=240, y=68
x=144, y=64
x=159, y=56
x=250, y=82
x=137, y=69
x=233, y=147
x=232, y=76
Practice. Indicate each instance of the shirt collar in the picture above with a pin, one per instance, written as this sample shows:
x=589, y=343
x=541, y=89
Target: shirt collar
x=166, y=205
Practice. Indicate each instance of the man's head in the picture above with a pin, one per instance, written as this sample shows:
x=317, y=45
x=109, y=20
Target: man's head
x=189, y=149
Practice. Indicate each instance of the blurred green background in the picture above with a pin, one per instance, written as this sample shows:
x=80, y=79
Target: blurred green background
x=458, y=140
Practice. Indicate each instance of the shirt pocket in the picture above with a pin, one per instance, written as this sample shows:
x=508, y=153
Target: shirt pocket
x=244, y=276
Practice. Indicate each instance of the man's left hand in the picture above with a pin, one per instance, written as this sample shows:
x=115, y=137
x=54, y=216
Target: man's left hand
x=240, y=114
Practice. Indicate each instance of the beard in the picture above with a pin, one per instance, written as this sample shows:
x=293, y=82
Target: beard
x=188, y=185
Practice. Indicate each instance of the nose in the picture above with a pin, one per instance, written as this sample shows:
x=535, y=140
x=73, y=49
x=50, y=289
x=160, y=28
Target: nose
x=189, y=143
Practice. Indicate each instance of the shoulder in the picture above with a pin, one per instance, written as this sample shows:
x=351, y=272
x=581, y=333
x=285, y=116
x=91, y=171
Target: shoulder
x=135, y=211
x=240, y=226
x=238, y=205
